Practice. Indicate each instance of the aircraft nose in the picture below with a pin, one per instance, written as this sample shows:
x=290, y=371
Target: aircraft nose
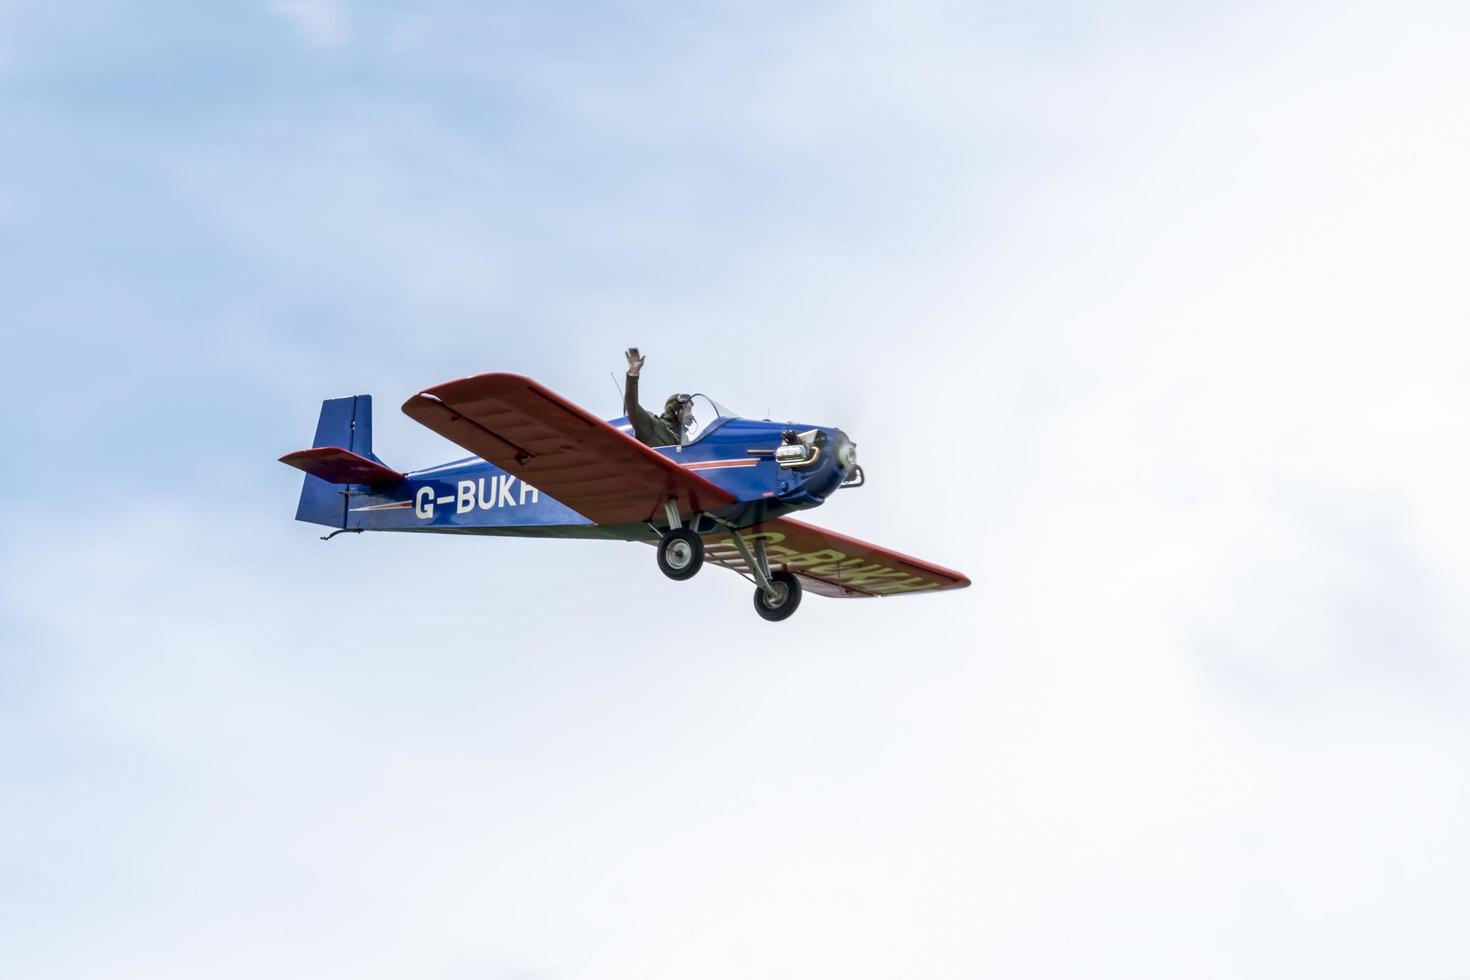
x=845, y=451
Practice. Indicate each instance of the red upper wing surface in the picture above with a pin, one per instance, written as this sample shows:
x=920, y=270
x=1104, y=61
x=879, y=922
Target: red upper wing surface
x=833, y=564
x=571, y=454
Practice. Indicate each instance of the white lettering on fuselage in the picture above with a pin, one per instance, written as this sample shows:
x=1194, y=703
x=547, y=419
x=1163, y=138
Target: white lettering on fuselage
x=486, y=493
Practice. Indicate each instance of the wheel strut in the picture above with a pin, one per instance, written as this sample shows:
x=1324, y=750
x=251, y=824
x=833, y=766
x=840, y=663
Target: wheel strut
x=759, y=567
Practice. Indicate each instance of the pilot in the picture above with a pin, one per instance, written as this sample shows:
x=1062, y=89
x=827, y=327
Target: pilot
x=668, y=429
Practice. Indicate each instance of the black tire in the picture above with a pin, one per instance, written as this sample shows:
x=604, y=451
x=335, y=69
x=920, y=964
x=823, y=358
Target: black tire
x=680, y=554
x=790, y=590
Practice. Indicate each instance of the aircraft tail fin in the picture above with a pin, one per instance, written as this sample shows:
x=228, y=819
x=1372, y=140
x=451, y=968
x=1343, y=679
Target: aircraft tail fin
x=341, y=453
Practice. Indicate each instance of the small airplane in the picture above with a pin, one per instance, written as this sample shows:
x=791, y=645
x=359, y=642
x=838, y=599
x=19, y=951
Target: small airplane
x=543, y=467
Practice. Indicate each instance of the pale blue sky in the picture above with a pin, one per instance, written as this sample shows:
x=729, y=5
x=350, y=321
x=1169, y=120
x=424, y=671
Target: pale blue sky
x=1148, y=316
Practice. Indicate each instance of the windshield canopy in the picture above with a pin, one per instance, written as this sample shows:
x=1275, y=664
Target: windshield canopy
x=707, y=412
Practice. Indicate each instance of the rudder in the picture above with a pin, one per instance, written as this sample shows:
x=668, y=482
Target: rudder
x=346, y=422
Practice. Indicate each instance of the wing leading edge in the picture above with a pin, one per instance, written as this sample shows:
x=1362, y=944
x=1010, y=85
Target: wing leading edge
x=552, y=444
x=833, y=564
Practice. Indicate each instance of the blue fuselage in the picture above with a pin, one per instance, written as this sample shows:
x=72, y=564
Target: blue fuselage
x=471, y=496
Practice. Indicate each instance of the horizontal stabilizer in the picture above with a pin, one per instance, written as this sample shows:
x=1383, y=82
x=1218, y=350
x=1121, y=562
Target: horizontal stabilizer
x=337, y=465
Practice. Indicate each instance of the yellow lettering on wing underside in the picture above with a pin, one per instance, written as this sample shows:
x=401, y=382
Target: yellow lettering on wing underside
x=867, y=574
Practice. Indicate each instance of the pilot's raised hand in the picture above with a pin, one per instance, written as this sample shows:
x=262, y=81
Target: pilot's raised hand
x=635, y=362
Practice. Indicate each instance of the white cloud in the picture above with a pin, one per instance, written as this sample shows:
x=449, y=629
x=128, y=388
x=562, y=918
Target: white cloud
x=323, y=23
x=1157, y=333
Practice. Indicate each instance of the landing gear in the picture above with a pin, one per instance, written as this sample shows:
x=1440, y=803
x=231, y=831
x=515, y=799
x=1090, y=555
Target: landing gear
x=680, y=554
x=782, y=600
x=777, y=594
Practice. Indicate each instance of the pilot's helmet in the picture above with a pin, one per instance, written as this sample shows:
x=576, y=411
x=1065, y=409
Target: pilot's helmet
x=674, y=403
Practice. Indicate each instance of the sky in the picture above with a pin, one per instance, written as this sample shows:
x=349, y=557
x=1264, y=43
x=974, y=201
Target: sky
x=1150, y=317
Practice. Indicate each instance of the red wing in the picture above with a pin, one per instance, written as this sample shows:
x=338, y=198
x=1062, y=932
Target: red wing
x=833, y=564
x=548, y=442
x=337, y=465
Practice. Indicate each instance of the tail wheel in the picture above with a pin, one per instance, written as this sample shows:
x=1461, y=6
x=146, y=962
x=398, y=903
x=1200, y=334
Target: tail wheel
x=784, y=603
x=680, y=554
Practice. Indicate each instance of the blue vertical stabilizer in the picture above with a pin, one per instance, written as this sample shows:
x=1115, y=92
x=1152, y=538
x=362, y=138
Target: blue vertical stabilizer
x=347, y=423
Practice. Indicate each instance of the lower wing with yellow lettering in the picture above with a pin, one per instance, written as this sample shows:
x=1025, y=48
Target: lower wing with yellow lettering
x=832, y=564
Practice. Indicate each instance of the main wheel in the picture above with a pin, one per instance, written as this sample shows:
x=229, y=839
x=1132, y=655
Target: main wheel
x=788, y=597
x=680, y=554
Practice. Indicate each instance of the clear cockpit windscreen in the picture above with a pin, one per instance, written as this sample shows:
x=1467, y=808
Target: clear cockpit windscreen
x=708, y=413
